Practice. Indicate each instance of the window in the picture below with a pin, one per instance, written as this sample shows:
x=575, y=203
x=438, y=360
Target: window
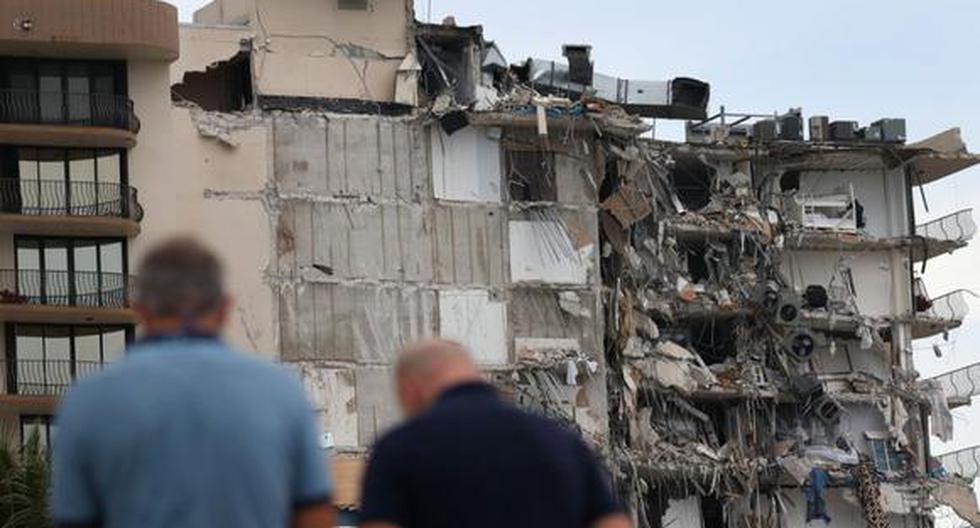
x=47, y=359
x=692, y=181
x=78, y=182
x=72, y=272
x=42, y=426
x=531, y=175
x=64, y=92
x=887, y=458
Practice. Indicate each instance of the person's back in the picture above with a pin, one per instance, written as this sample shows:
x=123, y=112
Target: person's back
x=467, y=458
x=184, y=431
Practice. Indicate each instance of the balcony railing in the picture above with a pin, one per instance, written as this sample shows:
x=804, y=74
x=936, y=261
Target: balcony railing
x=951, y=307
x=955, y=227
x=961, y=384
x=964, y=462
x=63, y=198
x=66, y=108
x=65, y=288
x=40, y=377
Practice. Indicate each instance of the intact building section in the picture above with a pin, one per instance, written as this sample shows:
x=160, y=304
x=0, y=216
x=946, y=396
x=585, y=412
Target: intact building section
x=83, y=114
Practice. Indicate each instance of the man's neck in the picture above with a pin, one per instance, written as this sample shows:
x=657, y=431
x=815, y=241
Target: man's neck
x=175, y=327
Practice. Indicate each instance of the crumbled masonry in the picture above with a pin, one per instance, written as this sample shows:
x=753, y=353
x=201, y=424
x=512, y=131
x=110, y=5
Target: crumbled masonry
x=722, y=317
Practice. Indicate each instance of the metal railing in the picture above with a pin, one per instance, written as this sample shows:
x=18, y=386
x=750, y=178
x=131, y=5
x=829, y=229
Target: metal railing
x=44, y=377
x=65, y=288
x=71, y=198
x=951, y=307
x=67, y=108
x=962, y=383
x=955, y=227
x=964, y=462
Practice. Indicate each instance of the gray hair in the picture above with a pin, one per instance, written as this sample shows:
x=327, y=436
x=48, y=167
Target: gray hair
x=180, y=277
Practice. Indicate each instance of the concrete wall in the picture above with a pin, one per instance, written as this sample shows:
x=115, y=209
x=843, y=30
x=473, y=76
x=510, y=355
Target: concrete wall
x=370, y=258
x=202, y=46
x=311, y=48
x=843, y=509
x=225, y=12
x=881, y=281
x=214, y=191
x=882, y=193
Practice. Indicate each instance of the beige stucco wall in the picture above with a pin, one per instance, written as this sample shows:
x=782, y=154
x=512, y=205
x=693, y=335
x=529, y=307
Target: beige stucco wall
x=214, y=192
x=202, y=46
x=310, y=48
x=225, y=12
x=175, y=169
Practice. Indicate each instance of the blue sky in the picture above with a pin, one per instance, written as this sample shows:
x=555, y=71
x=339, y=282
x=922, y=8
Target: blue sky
x=850, y=60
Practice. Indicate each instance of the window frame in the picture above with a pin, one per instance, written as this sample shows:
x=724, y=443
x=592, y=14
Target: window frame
x=10, y=328
x=70, y=244
x=10, y=165
x=93, y=69
x=47, y=422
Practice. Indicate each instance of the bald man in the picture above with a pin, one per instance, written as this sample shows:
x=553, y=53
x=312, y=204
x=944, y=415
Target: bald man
x=467, y=459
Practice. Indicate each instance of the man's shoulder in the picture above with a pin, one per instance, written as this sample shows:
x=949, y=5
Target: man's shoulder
x=148, y=365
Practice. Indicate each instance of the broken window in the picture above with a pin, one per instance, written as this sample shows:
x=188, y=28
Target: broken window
x=531, y=175
x=709, y=262
x=712, y=512
x=225, y=86
x=714, y=340
x=887, y=459
x=789, y=181
x=451, y=60
x=692, y=181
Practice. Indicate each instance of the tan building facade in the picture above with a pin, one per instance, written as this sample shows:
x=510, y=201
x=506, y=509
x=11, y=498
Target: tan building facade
x=723, y=314
x=84, y=125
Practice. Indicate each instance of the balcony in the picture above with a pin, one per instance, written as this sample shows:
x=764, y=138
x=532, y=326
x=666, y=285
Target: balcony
x=946, y=234
x=57, y=207
x=932, y=239
x=131, y=29
x=960, y=385
x=33, y=386
x=69, y=297
x=89, y=120
x=938, y=315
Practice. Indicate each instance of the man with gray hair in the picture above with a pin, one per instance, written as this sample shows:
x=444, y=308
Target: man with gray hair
x=186, y=431
x=467, y=458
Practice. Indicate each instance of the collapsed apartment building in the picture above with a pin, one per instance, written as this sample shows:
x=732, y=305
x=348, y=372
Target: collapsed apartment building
x=727, y=319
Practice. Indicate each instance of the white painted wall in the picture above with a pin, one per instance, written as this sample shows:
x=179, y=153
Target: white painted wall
x=683, y=513
x=542, y=251
x=872, y=272
x=466, y=165
x=333, y=396
x=882, y=193
x=476, y=320
x=842, y=508
x=849, y=357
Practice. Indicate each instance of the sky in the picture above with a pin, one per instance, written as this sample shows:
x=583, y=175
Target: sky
x=850, y=60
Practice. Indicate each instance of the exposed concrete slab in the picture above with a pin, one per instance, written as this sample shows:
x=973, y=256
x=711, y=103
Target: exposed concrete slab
x=466, y=166
x=353, y=322
x=477, y=319
x=332, y=394
x=470, y=245
x=376, y=409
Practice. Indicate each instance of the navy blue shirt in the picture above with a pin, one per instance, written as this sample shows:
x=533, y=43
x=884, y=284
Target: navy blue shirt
x=475, y=461
x=187, y=432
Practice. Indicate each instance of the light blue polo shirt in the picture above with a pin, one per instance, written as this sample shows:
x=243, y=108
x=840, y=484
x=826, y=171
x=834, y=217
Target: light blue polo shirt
x=186, y=432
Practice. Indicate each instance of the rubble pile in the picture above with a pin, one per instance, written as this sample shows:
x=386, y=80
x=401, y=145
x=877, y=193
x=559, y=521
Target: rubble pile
x=723, y=356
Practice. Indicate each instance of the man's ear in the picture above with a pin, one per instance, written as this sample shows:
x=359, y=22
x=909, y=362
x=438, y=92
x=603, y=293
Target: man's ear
x=223, y=313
